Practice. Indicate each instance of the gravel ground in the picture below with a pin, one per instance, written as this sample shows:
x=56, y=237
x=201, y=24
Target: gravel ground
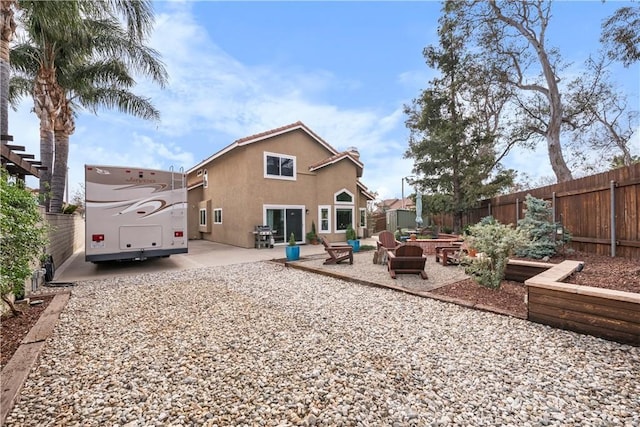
x=263, y=344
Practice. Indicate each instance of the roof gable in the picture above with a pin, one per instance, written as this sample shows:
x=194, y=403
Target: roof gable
x=266, y=135
x=336, y=158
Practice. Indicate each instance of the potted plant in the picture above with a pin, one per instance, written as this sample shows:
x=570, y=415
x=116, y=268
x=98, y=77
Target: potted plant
x=352, y=238
x=312, y=237
x=293, y=250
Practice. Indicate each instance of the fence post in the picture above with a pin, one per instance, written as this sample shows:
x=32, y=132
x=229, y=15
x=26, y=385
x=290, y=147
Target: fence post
x=517, y=210
x=553, y=207
x=612, y=189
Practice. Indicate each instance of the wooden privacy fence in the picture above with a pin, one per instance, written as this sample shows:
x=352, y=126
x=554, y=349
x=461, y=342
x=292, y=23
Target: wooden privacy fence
x=600, y=211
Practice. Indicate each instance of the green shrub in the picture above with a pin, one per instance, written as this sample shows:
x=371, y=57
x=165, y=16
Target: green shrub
x=545, y=236
x=364, y=248
x=351, y=233
x=494, y=242
x=311, y=235
x=23, y=236
x=69, y=209
x=292, y=240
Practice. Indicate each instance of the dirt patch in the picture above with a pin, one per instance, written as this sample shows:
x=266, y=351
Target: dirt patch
x=15, y=328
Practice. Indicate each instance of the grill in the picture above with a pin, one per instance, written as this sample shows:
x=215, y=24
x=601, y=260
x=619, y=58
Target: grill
x=264, y=236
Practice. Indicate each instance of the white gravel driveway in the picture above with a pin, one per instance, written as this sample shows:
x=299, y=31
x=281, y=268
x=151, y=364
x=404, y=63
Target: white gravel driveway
x=262, y=344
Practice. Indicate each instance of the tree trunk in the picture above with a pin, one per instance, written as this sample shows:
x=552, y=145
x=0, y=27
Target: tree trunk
x=59, y=176
x=559, y=166
x=46, y=157
x=46, y=103
x=7, y=31
x=63, y=128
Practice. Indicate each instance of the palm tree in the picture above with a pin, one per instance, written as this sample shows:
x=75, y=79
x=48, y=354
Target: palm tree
x=103, y=84
x=45, y=23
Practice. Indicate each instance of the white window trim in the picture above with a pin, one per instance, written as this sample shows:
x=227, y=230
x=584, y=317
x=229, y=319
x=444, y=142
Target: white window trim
x=286, y=156
x=361, y=210
x=200, y=217
x=344, y=190
x=199, y=172
x=214, y=215
x=320, y=208
x=205, y=179
x=335, y=213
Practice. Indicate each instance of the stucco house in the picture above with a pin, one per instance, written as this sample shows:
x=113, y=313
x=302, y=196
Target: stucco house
x=285, y=178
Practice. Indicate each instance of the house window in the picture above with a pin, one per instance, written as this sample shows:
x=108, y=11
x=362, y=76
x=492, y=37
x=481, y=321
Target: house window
x=205, y=179
x=199, y=172
x=324, y=219
x=343, y=197
x=203, y=217
x=363, y=217
x=217, y=216
x=279, y=166
x=344, y=218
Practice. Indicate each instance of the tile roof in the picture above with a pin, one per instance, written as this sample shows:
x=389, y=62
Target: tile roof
x=388, y=204
x=336, y=158
x=365, y=190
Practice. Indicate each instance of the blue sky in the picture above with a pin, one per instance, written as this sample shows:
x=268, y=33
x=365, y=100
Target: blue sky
x=345, y=69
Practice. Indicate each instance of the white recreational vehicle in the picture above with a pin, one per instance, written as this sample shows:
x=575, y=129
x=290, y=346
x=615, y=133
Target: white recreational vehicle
x=134, y=213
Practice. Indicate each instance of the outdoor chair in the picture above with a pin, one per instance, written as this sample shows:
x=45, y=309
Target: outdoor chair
x=386, y=243
x=387, y=240
x=337, y=253
x=450, y=255
x=407, y=259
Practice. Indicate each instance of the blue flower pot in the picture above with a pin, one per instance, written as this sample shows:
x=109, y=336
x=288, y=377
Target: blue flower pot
x=355, y=244
x=293, y=253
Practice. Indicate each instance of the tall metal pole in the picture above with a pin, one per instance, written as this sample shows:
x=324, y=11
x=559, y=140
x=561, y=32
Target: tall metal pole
x=402, y=180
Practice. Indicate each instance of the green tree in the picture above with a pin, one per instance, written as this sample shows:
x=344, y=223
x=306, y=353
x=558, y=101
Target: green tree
x=495, y=243
x=603, y=120
x=621, y=35
x=544, y=235
x=23, y=235
x=452, y=141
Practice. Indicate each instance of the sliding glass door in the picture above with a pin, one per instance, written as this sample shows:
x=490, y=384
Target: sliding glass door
x=284, y=221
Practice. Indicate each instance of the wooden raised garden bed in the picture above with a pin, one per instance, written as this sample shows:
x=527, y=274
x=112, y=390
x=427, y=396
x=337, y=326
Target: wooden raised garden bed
x=520, y=270
x=605, y=313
